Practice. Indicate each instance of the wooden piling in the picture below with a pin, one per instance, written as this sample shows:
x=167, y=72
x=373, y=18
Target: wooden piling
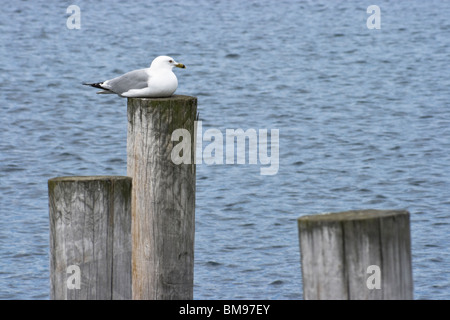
x=163, y=198
x=338, y=250
x=90, y=238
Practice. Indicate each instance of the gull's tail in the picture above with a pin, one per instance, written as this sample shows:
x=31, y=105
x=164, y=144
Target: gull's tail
x=99, y=86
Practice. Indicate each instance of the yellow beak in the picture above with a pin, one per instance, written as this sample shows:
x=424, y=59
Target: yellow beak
x=180, y=65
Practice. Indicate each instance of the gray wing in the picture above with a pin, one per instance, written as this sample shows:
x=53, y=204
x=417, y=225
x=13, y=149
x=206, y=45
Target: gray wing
x=136, y=79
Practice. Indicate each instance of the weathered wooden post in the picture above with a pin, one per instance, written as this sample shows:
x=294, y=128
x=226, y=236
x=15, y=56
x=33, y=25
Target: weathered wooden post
x=90, y=238
x=356, y=255
x=163, y=198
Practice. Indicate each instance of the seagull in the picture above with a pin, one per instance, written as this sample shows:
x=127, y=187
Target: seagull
x=155, y=82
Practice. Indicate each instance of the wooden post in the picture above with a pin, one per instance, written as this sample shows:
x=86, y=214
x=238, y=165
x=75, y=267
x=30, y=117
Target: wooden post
x=347, y=255
x=90, y=238
x=163, y=198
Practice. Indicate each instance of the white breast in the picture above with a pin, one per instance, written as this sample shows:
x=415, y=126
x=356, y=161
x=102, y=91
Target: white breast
x=163, y=83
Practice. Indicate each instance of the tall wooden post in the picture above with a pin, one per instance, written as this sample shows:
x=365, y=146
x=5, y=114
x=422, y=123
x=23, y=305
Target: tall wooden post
x=356, y=255
x=90, y=238
x=163, y=198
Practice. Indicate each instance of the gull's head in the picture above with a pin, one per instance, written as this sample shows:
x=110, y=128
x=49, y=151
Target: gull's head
x=165, y=62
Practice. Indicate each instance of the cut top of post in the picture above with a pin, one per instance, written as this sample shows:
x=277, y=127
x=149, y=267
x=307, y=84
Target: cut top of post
x=176, y=97
x=87, y=178
x=351, y=215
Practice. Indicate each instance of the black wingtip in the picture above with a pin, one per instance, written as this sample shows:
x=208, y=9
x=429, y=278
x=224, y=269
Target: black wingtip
x=95, y=85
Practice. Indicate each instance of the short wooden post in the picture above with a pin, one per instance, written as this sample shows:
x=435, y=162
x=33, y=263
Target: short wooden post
x=90, y=238
x=347, y=255
x=163, y=198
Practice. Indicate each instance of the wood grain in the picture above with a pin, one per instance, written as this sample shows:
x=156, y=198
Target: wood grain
x=163, y=198
x=337, y=248
x=90, y=227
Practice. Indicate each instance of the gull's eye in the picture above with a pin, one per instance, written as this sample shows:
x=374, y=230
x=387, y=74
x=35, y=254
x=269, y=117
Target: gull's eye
x=170, y=61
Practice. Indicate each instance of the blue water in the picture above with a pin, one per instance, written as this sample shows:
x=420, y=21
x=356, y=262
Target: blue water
x=363, y=115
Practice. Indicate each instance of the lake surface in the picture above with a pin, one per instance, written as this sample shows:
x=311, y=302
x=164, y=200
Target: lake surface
x=363, y=116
